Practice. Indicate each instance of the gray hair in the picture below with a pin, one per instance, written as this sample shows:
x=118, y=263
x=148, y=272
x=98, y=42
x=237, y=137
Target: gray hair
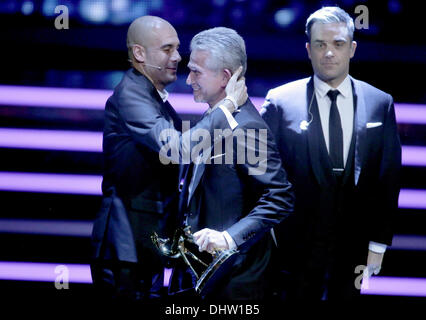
x=226, y=47
x=330, y=15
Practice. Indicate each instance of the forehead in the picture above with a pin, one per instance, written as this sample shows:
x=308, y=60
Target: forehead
x=198, y=59
x=329, y=31
x=164, y=35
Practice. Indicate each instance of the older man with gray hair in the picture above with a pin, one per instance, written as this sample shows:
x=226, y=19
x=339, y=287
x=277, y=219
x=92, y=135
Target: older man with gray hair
x=225, y=200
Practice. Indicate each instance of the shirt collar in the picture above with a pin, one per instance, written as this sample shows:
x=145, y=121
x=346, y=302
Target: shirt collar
x=164, y=95
x=209, y=110
x=322, y=88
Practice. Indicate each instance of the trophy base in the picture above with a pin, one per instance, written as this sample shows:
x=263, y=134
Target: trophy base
x=219, y=267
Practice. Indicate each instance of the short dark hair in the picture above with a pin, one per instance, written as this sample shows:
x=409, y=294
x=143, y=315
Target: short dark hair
x=330, y=15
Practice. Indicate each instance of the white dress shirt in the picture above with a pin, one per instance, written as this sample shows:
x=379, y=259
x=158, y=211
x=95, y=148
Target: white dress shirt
x=164, y=95
x=345, y=105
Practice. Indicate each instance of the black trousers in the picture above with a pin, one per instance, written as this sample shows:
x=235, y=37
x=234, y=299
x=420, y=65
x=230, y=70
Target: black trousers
x=132, y=281
x=327, y=274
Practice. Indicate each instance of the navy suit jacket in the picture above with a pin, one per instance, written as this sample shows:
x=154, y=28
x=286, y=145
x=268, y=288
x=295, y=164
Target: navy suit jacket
x=134, y=177
x=367, y=213
x=245, y=198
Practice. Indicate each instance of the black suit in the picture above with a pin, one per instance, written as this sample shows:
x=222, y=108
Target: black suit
x=228, y=196
x=139, y=191
x=335, y=219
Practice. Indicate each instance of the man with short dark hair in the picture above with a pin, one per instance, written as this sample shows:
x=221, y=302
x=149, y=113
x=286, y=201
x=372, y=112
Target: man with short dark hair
x=339, y=143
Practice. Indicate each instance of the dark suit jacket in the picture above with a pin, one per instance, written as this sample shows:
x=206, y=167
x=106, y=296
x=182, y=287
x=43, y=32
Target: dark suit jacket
x=134, y=177
x=366, y=213
x=228, y=196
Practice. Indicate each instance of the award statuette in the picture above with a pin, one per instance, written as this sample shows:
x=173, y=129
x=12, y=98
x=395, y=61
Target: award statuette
x=208, y=268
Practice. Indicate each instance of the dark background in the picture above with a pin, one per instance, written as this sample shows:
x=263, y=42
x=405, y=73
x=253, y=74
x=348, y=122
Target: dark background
x=391, y=55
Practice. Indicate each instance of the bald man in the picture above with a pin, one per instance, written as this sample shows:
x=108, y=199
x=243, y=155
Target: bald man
x=139, y=190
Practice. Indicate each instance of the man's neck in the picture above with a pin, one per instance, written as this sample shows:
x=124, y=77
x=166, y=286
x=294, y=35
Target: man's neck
x=215, y=103
x=157, y=86
x=334, y=83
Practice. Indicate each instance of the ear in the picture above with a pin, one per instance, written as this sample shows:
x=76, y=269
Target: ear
x=226, y=75
x=139, y=53
x=353, y=48
x=308, y=49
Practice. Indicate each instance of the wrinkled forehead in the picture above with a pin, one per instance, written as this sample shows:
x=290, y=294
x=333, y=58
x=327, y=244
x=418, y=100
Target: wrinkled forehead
x=331, y=31
x=199, y=59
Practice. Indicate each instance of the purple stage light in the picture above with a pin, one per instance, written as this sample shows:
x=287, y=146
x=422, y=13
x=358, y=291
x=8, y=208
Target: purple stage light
x=414, y=156
x=47, y=227
x=167, y=275
x=50, y=183
x=23, y=96
x=408, y=242
x=412, y=199
x=86, y=141
x=390, y=286
x=183, y=103
x=72, y=228
x=44, y=272
x=410, y=113
x=80, y=273
x=91, y=185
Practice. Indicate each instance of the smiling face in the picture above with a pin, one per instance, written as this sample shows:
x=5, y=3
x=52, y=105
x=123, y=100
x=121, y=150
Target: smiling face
x=330, y=50
x=208, y=85
x=162, y=51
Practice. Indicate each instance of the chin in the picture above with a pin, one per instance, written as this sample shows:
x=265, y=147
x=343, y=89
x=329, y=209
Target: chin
x=198, y=98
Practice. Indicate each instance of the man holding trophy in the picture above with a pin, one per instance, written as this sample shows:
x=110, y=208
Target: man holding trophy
x=235, y=192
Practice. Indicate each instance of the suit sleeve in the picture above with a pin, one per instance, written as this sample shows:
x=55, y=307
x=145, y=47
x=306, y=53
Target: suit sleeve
x=266, y=181
x=389, y=179
x=148, y=127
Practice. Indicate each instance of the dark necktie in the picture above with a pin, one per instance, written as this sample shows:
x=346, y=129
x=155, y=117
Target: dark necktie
x=173, y=116
x=335, y=134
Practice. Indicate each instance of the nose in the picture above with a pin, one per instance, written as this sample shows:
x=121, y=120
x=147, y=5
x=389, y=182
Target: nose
x=176, y=56
x=188, y=79
x=329, y=54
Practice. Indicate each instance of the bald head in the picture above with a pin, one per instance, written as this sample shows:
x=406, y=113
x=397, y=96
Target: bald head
x=153, y=46
x=144, y=31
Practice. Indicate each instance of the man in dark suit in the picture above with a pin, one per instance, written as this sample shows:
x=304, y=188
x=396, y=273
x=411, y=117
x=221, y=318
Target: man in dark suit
x=139, y=187
x=229, y=198
x=338, y=140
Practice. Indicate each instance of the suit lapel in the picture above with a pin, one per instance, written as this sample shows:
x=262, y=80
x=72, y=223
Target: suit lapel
x=316, y=144
x=197, y=174
x=360, y=127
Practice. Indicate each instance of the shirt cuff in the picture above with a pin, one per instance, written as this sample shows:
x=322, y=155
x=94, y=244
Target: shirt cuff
x=228, y=238
x=231, y=120
x=377, y=247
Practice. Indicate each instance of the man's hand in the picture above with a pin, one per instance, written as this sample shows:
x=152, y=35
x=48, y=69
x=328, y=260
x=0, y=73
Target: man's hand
x=236, y=91
x=210, y=240
x=374, y=262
